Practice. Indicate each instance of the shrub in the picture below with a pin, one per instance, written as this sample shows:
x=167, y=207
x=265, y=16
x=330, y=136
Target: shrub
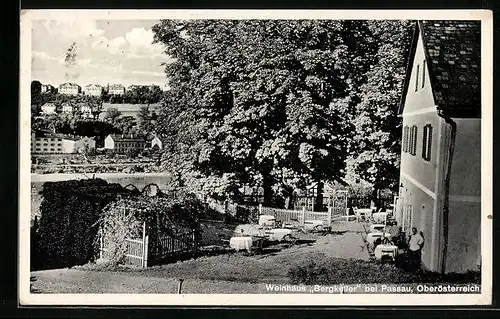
x=170, y=215
x=340, y=271
x=68, y=227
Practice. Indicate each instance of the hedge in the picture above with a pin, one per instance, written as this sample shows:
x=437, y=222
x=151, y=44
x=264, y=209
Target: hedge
x=67, y=231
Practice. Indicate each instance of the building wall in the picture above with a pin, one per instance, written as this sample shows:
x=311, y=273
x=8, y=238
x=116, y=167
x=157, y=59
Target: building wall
x=422, y=98
x=464, y=249
x=156, y=141
x=68, y=146
x=109, y=143
x=48, y=145
x=80, y=144
x=422, y=206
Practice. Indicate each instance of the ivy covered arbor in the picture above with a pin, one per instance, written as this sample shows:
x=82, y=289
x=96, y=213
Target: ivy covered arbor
x=150, y=230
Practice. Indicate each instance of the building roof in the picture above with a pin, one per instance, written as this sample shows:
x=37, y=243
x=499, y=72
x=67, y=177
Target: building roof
x=70, y=84
x=49, y=104
x=127, y=138
x=453, y=54
x=116, y=87
x=93, y=85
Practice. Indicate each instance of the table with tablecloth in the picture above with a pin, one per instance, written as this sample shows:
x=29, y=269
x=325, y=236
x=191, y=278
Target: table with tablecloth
x=386, y=250
x=241, y=243
x=380, y=217
x=371, y=237
x=363, y=212
x=278, y=234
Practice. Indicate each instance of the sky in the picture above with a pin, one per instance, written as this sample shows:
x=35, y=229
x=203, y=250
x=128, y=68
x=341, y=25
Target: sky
x=107, y=51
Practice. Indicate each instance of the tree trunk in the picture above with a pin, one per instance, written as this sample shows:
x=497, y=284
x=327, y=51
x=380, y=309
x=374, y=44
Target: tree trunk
x=375, y=197
x=318, y=202
x=267, y=186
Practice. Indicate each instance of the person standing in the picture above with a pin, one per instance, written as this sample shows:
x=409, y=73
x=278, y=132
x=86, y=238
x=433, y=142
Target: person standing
x=415, y=244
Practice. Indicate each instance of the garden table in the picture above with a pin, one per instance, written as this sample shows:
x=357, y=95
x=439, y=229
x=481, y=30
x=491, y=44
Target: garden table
x=241, y=243
x=371, y=237
x=386, y=250
x=278, y=234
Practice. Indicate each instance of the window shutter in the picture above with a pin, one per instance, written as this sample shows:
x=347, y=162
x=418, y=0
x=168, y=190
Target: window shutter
x=415, y=141
x=416, y=78
x=424, y=143
x=423, y=74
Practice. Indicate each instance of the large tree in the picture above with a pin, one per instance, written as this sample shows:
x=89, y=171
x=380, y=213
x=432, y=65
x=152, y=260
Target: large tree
x=376, y=144
x=267, y=99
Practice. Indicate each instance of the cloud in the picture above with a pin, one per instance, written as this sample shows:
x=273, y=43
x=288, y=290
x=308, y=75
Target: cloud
x=73, y=29
x=137, y=43
x=113, y=46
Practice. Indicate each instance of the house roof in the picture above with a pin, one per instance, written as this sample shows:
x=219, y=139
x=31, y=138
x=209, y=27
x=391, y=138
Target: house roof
x=127, y=138
x=453, y=54
x=116, y=87
x=69, y=84
x=49, y=104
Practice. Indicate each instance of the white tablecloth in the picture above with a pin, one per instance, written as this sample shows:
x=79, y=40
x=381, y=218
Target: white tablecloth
x=379, y=217
x=278, y=233
x=363, y=212
x=240, y=243
x=310, y=224
x=371, y=237
x=267, y=220
x=389, y=250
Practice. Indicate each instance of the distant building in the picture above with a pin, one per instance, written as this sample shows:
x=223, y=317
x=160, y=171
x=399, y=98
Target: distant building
x=93, y=90
x=85, y=110
x=123, y=144
x=47, y=88
x=49, y=108
x=116, y=89
x=43, y=142
x=158, y=142
x=77, y=144
x=440, y=178
x=67, y=108
x=70, y=89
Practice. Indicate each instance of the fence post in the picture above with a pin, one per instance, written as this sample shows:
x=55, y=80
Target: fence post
x=101, y=245
x=330, y=216
x=303, y=219
x=146, y=249
x=143, y=243
x=225, y=206
x=260, y=209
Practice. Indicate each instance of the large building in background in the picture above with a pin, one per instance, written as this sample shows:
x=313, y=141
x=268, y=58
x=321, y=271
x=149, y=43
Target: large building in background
x=123, y=144
x=69, y=89
x=440, y=179
x=93, y=90
x=116, y=89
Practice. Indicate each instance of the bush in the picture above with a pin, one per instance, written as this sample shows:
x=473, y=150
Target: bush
x=331, y=271
x=68, y=227
x=170, y=215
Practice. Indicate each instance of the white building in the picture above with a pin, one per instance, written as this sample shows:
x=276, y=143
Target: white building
x=70, y=89
x=67, y=108
x=116, y=89
x=49, y=108
x=93, y=90
x=440, y=181
x=158, y=142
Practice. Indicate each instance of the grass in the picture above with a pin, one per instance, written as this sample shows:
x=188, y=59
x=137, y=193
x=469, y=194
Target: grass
x=342, y=271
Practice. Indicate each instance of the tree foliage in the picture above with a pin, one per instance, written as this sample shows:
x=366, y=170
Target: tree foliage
x=265, y=101
x=376, y=143
x=69, y=224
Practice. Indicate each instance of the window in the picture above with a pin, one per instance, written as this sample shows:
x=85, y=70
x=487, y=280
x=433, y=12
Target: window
x=423, y=75
x=413, y=140
x=416, y=78
x=405, y=139
x=427, y=142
